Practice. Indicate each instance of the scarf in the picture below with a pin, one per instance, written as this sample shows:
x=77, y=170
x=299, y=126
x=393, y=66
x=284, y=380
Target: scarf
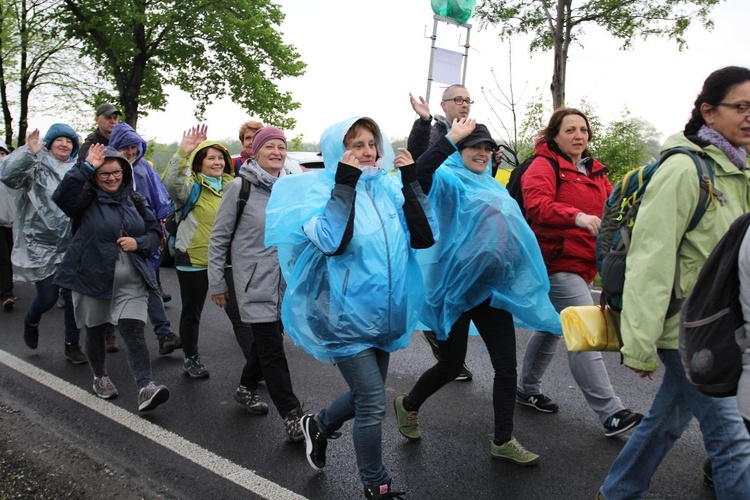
x=264, y=177
x=737, y=155
x=214, y=182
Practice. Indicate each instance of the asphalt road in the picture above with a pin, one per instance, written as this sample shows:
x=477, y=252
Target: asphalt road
x=239, y=455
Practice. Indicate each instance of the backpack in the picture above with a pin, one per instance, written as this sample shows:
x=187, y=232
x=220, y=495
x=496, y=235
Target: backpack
x=514, y=181
x=711, y=315
x=619, y=217
x=241, y=202
x=172, y=222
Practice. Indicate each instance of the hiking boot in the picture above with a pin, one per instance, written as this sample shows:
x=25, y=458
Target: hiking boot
x=74, y=354
x=251, y=400
x=168, y=343
x=165, y=297
x=537, y=401
x=708, y=473
x=408, y=423
x=316, y=441
x=30, y=334
x=620, y=422
x=194, y=367
x=513, y=451
x=110, y=342
x=104, y=388
x=292, y=426
x=151, y=396
x=9, y=303
x=382, y=491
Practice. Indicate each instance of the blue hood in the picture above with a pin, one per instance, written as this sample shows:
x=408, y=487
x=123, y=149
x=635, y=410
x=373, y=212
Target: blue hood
x=124, y=135
x=332, y=146
x=62, y=130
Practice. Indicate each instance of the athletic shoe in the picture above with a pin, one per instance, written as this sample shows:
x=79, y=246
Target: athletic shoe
x=104, y=388
x=537, y=401
x=168, y=343
x=316, y=441
x=9, y=303
x=60, y=300
x=74, y=354
x=151, y=396
x=382, y=491
x=194, y=367
x=251, y=400
x=708, y=473
x=620, y=422
x=30, y=334
x=408, y=423
x=293, y=427
x=111, y=343
x=513, y=451
x=165, y=297
x=464, y=375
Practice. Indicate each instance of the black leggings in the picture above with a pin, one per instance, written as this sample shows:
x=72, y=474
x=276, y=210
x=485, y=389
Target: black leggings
x=496, y=329
x=131, y=331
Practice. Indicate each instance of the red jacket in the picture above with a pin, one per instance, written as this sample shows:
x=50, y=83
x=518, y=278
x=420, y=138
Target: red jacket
x=551, y=212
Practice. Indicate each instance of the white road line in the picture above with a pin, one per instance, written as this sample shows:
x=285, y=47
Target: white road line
x=208, y=460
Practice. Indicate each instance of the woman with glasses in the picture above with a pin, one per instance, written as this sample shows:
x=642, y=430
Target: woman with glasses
x=107, y=265
x=719, y=128
x=564, y=191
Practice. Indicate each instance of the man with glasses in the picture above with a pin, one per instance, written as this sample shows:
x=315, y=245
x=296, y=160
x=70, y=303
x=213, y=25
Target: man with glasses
x=456, y=103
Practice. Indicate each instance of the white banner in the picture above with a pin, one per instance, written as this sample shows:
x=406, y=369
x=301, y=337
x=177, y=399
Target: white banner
x=446, y=66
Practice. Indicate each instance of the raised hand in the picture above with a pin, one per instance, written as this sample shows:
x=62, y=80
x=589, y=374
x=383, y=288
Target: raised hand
x=421, y=107
x=350, y=159
x=461, y=129
x=403, y=159
x=192, y=137
x=95, y=156
x=35, y=145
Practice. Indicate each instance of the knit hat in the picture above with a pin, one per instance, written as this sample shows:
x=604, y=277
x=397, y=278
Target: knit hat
x=62, y=130
x=266, y=134
x=478, y=136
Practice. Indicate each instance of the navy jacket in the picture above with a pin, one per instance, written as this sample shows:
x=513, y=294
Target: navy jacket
x=89, y=263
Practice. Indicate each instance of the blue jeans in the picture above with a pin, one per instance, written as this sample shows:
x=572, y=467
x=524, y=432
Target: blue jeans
x=365, y=403
x=158, y=315
x=677, y=401
x=46, y=298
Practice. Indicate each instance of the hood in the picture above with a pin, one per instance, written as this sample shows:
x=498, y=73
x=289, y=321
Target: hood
x=332, y=146
x=62, y=130
x=124, y=135
x=228, y=163
x=128, y=185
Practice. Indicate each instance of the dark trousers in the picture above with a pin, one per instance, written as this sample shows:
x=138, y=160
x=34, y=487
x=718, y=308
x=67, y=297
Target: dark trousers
x=496, y=329
x=46, y=298
x=6, y=268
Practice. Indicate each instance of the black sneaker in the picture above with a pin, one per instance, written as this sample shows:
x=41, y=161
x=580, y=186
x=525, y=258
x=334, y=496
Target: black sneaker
x=537, y=401
x=316, y=441
x=708, y=474
x=165, y=296
x=194, y=367
x=293, y=426
x=9, y=303
x=30, y=334
x=169, y=343
x=464, y=375
x=251, y=400
x=620, y=422
x=74, y=354
x=382, y=491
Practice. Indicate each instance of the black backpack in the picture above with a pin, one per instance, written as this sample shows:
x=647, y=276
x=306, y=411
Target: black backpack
x=514, y=181
x=711, y=316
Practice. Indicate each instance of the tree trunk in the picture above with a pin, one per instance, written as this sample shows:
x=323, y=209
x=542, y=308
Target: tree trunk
x=561, y=39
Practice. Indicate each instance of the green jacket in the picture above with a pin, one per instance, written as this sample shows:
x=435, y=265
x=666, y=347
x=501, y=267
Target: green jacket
x=191, y=243
x=667, y=206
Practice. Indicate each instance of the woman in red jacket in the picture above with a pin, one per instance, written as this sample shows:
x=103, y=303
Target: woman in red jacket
x=564, y=190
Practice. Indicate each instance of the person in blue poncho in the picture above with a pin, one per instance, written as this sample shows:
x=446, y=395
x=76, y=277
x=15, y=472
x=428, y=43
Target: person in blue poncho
x=486, y=268
x=346, y=238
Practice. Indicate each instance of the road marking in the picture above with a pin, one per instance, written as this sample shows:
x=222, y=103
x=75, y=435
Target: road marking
x=217, y=464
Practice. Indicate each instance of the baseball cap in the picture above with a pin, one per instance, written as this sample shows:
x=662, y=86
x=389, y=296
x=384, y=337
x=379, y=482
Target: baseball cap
x=107, y=109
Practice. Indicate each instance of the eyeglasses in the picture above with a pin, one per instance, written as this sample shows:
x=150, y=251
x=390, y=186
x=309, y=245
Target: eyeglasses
x=460, y=100
x=742, y=108
x=105, y=175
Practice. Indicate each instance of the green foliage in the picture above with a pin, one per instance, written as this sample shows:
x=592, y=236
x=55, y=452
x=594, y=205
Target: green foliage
x=210, y=49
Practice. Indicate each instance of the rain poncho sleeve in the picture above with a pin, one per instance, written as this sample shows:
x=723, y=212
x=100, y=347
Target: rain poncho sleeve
x=353, y=282
x=486, y=248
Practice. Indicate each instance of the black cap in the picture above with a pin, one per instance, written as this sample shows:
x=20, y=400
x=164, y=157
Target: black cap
x=107, y=109
x=478, y=136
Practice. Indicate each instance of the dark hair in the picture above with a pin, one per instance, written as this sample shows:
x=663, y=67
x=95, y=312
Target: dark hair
x=367, y=124
x=201, y=155
x=715, y=89
x=549, y=133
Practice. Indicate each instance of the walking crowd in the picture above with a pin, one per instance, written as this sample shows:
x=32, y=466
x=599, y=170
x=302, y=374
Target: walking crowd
x=350, y=260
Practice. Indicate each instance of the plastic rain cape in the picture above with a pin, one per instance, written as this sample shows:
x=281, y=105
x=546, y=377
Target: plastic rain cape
x=369, y=296
x=486, y=250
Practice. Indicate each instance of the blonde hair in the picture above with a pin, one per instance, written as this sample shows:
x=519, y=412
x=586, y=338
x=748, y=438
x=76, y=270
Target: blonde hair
x=251, y=125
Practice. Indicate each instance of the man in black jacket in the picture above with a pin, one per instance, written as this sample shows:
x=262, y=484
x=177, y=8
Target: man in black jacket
x=107, y=117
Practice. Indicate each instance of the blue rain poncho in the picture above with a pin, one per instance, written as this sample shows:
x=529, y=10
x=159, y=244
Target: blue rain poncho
x=371, y=294
x=486, y=250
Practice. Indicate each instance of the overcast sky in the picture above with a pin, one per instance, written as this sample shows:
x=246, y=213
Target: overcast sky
x=364, y=57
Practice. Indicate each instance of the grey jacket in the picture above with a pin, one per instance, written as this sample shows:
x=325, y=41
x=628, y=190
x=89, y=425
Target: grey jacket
x=255, y=269
x=8, y=200
x=743, y=337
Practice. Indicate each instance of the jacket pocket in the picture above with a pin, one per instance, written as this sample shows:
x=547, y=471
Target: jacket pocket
x=250, y=274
